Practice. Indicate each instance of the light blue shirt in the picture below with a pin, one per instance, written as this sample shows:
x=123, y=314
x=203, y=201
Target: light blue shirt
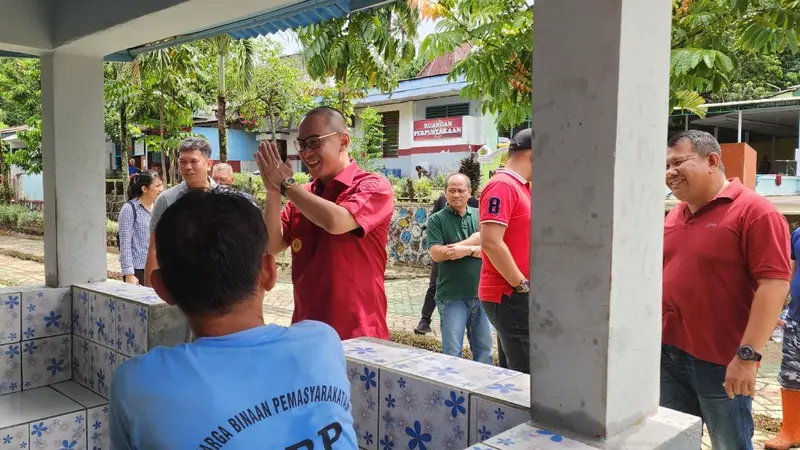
x=269, y=387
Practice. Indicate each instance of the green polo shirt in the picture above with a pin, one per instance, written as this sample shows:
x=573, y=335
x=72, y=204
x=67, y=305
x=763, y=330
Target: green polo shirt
x=457, y=279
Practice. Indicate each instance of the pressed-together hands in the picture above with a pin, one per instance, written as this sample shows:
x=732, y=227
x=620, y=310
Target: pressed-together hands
x=273, y=170
x=454, y=251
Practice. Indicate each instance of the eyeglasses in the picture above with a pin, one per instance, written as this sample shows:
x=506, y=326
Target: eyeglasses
x=311, y=142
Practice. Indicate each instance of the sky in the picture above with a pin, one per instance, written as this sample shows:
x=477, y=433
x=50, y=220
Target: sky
x=290, y=45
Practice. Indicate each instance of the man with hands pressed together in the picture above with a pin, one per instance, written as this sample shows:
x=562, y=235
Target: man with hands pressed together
x=336, y=226
x=726, y=275
x=454, y=243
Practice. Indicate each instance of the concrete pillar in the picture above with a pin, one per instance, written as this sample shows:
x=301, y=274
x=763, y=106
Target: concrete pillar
x=600, y=94
x=74, y=178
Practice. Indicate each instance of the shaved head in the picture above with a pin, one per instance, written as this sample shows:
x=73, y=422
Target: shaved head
x=333, y=118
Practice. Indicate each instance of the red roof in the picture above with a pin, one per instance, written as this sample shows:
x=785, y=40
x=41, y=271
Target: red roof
x=443, y=64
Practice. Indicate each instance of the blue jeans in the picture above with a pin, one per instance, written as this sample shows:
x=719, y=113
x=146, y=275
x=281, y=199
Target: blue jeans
x=693, y=386
x=459, y=315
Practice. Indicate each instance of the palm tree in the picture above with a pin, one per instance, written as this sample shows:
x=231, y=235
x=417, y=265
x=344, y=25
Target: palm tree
x=241, y=53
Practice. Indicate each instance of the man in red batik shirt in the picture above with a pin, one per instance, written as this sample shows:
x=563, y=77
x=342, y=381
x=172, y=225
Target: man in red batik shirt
x=726, y=276
x=336, y=226
x=505, y=216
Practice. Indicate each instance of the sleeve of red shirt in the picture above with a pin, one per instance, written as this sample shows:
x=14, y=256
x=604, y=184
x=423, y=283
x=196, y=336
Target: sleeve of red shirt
x=370, y=203
x=497, y=203
x=286, y=222
x=766, y=242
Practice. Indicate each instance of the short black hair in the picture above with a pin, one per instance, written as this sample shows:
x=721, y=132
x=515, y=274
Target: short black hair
x=210, y=246
x=191, y=144
x=333, y=117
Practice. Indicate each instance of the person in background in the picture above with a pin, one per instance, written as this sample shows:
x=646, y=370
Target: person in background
x=422, y=172
x=134, y=225
x=222, y=174
x=505, y=216
x=454, y=245
x=726, y=276
x=132, y=169
x=194, y=162
x=789, y=376
x=336, y=226
x=429, y=304
x=241, y=384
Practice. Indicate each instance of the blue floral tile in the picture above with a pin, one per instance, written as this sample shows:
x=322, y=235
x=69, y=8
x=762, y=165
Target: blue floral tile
x=456, y=372
x=80, y=312
x=46, y=312
x=103, y=363
x=82, y=362
x=374, y=353
x=102, y=319
x=421, y=414
x=499, y=407
x=46, y=361
x=365, y=401
x=527, y=436
x=97, y=428
x=59, y=433
x=15, y=438
x=10, y=317
x=10, y=368
x=480, y=447
x=113, y=288
x=132, y=328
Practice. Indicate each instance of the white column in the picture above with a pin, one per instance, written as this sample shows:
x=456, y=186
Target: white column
x=72, y=158
x=600, y=95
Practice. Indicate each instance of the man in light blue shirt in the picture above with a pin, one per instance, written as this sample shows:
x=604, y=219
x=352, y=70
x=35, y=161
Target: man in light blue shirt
x=241, y=384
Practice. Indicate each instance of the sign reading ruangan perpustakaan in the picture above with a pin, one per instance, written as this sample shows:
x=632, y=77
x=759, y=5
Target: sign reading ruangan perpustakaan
x=438, y=128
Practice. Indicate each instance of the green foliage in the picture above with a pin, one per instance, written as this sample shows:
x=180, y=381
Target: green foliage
x=301, y=177
x=248, y=183
x=367, y=146
x=408, y=190
x=21, y=104
x=471, y=167
x=29, y=159
x=438, y=180
x=362, y=50
x=20, y=218
x=6, y=194
x=423, y=187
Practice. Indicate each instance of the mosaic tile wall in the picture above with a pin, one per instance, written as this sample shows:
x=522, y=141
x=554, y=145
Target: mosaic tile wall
x=407, y=235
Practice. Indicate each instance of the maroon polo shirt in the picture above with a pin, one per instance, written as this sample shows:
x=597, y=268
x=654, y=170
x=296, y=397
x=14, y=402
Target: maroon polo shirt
x=338, y=279
x=712, y=261
x=506, y=200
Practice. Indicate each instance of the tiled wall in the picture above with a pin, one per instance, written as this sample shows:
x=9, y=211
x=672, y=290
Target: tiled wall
x=59, y=348
x=403, y=397
x=407, y=234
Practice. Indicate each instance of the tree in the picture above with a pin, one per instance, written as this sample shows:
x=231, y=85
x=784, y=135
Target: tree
x=240, y=54
x=277, y=94
x=471, y=167
x=122, y=100
x=367, y=147
x=362, y=50
x=21, y=104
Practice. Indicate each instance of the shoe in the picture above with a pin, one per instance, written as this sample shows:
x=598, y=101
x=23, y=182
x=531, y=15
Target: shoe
x=424, y=327
x=789, y=436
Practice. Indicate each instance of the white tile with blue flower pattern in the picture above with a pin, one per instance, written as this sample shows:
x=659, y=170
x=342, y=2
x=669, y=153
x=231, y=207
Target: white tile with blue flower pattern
x=10, y=317
x=46, y=361
x=15, y=438
x=527, y=437
x=499, y=407
x=364, y=401
x=374, y=353
x=10, y=368
x=103, y=363
x=46, y=312
x=97, y=428
x=80, y=312
x=102, y=319
x=480, y=446
x=113, y=288
x=421, y=414
x=132, y=328
x=457, y=372
x=59, y=433
x=82, y=362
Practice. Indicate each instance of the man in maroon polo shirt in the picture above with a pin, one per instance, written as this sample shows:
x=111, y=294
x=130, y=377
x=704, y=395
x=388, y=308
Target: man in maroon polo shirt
x=505, y=216
x=336, y=226
x=726, y=276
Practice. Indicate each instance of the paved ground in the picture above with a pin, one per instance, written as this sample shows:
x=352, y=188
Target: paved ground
x=405, y=298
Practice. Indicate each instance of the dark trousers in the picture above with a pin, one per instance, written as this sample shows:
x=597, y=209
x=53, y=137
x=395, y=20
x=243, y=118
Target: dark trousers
x=430, y=295
x=693, y=386
x=510, y=319
x=139, y=274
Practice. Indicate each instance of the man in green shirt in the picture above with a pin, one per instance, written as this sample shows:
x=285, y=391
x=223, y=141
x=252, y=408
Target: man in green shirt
x=454, y=243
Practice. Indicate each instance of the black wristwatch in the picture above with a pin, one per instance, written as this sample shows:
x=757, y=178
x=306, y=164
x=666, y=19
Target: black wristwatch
x=523, y=287
x=286, y=184
x=748, y=353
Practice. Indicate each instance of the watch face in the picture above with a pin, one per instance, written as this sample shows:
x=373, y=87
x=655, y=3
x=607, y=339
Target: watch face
x=290, y=181
x=746, y=353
